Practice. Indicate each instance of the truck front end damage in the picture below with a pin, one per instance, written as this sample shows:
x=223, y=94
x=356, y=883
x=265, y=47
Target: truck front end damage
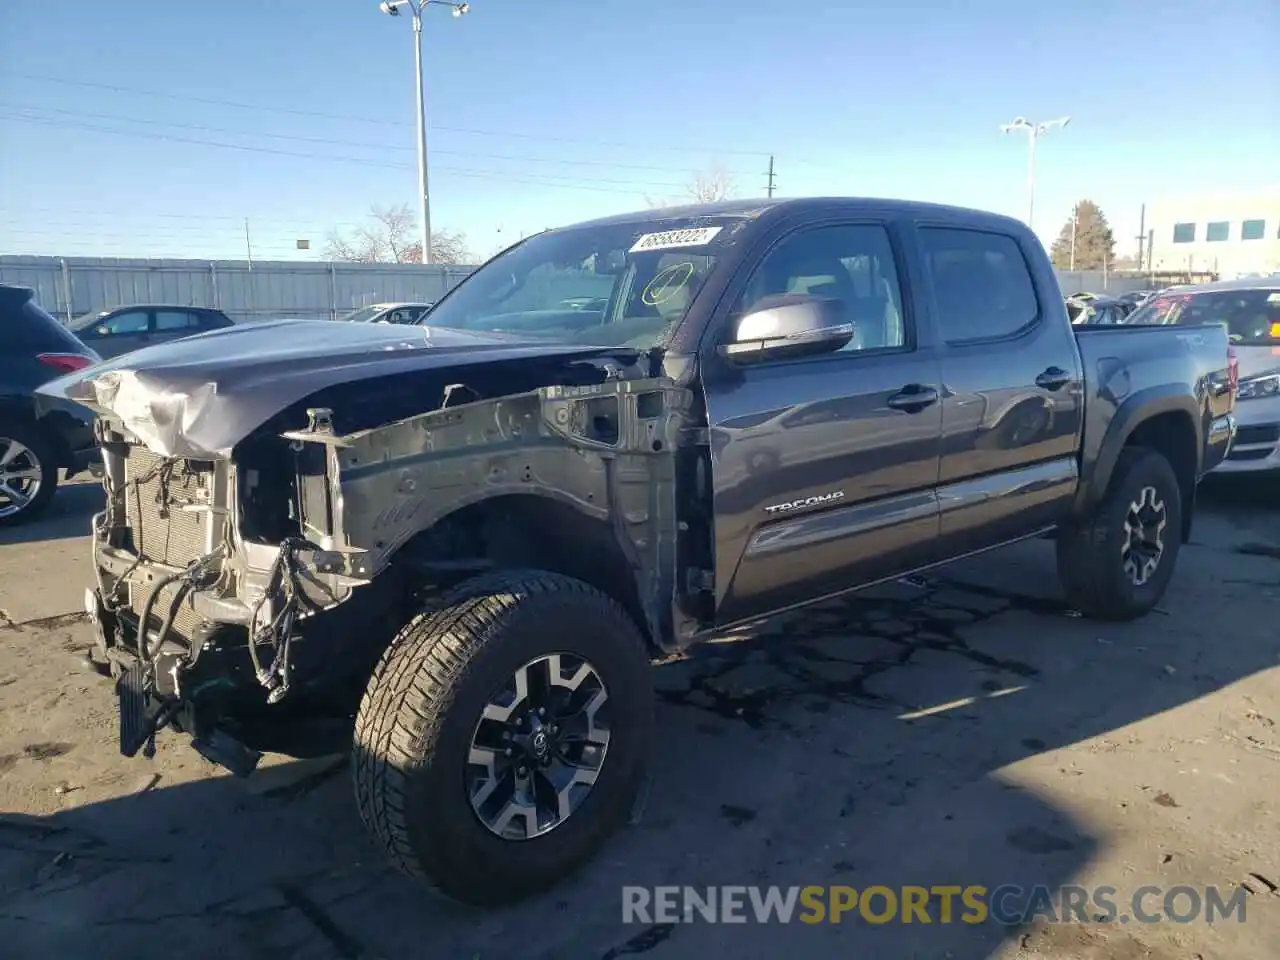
x=248, y=593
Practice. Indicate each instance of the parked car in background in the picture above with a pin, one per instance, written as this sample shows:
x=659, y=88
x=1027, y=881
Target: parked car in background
x=388, y=313
x=113, y=332
x=1250, y=310
x=1097, y=311
x=1137, y=297
x=38, y=436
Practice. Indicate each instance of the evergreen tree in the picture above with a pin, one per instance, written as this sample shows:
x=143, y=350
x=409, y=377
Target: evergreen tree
x=1095, y=243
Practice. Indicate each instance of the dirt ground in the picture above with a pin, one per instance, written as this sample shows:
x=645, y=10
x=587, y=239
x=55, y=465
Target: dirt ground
x=963, y=729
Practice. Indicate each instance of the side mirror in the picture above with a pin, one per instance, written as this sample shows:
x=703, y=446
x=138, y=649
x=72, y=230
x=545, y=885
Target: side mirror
x=789, y=326
x=103, y=331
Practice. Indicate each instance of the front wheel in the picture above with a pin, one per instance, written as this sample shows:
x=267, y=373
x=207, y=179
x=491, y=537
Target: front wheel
x=1117, y=565
x=503, y=736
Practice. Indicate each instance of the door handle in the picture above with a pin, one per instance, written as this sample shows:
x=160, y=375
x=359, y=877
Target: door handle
x=913, y=398
x=1055, y=378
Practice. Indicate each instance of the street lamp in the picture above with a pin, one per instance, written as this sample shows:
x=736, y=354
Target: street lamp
x=1034, y=132
x=416, y=7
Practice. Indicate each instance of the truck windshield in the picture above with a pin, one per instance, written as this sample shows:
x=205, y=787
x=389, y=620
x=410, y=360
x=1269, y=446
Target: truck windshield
x=1252, y=317
x=617, y=284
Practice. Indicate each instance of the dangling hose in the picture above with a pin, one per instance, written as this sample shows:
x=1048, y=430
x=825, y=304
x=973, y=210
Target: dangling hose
x=147, y=604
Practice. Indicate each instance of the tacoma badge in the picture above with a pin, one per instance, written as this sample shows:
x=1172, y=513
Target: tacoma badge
x=806, y=502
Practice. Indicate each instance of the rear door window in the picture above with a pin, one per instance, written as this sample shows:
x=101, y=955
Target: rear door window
x=981, y=283
x=170, y=320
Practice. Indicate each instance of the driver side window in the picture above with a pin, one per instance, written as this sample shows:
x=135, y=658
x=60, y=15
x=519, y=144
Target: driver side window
x=852, y=264
x=134, y=321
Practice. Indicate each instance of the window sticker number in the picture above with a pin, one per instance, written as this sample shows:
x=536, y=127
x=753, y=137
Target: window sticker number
x=673, y=239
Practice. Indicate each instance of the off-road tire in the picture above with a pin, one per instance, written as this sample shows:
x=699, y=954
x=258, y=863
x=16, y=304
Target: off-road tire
x=33, y=440
x=419, y=711
x=1090, y=557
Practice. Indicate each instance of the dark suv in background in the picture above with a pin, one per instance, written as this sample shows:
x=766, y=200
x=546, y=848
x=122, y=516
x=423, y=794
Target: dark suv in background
x=123, y=329
x=36, y=440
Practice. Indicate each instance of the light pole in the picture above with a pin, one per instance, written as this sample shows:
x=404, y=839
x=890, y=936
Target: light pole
x=1034, y=132
x=416, y=7
x=1075, y=222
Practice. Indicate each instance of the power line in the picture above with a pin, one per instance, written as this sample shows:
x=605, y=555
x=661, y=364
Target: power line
x=396, y=123
x=192, y=236
x=194, y=223
x=285, y=221
x=200, y=221
x=29, y=109
x=577, y=183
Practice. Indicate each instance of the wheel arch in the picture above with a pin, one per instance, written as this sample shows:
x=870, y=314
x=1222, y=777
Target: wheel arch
x=16, y=409
x=538, y=530
x=1163, y=419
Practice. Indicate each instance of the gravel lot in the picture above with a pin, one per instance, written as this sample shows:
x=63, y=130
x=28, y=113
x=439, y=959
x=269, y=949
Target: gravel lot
x=964, y=729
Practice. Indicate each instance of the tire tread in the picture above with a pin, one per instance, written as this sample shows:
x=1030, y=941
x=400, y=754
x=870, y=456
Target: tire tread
x=1084, y=549
x=414, y=685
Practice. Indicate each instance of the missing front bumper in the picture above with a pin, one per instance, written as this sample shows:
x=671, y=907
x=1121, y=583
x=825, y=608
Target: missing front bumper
x=149, y=696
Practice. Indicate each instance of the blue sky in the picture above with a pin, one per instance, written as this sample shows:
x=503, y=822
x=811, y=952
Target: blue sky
x=544, y=113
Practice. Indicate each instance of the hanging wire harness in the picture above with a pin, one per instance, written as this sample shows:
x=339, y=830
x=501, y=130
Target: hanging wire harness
x=281, y=595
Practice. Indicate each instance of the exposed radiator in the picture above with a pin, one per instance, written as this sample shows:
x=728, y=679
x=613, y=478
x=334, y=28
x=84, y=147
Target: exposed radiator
x=161, y=530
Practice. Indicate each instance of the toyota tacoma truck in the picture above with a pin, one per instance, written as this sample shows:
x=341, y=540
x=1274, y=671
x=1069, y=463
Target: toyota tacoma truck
x=456, y=548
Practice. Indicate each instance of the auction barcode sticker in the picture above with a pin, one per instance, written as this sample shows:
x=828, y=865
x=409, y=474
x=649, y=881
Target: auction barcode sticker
x=671, y=239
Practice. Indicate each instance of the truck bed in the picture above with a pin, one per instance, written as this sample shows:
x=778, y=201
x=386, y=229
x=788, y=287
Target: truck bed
x=1127, y=367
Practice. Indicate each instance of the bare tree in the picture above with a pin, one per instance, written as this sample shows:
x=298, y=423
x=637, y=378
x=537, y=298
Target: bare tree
x=447, y=247
x=707, y=186
x=715, y=183
x=388, y=238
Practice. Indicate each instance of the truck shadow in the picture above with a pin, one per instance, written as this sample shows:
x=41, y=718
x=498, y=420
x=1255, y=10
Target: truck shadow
x=863, y=742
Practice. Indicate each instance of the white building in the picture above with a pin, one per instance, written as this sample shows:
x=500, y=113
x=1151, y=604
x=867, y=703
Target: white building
x=1232, y=234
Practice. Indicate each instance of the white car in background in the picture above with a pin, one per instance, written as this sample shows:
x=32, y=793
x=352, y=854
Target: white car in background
x=387, y=313
x=1250, y=310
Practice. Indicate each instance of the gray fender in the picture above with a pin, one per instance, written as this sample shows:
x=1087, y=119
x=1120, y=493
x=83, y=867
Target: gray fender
x=1134, y=411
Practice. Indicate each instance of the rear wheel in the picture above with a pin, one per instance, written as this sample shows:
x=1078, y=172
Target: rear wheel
x=1117, y=565
x=28, y=473
x=504, y=735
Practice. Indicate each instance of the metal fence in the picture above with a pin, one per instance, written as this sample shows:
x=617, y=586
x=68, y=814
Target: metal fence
x=1100, y=281
x=72, y=286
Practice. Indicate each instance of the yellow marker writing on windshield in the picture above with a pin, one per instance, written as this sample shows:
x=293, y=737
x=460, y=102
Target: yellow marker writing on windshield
x=666, y=283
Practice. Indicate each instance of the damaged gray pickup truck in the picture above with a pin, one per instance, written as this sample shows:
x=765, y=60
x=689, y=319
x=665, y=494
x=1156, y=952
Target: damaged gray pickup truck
x=455, y=548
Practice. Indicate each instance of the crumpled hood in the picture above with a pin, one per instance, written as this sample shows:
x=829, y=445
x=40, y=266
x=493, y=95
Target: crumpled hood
x=199, y=396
